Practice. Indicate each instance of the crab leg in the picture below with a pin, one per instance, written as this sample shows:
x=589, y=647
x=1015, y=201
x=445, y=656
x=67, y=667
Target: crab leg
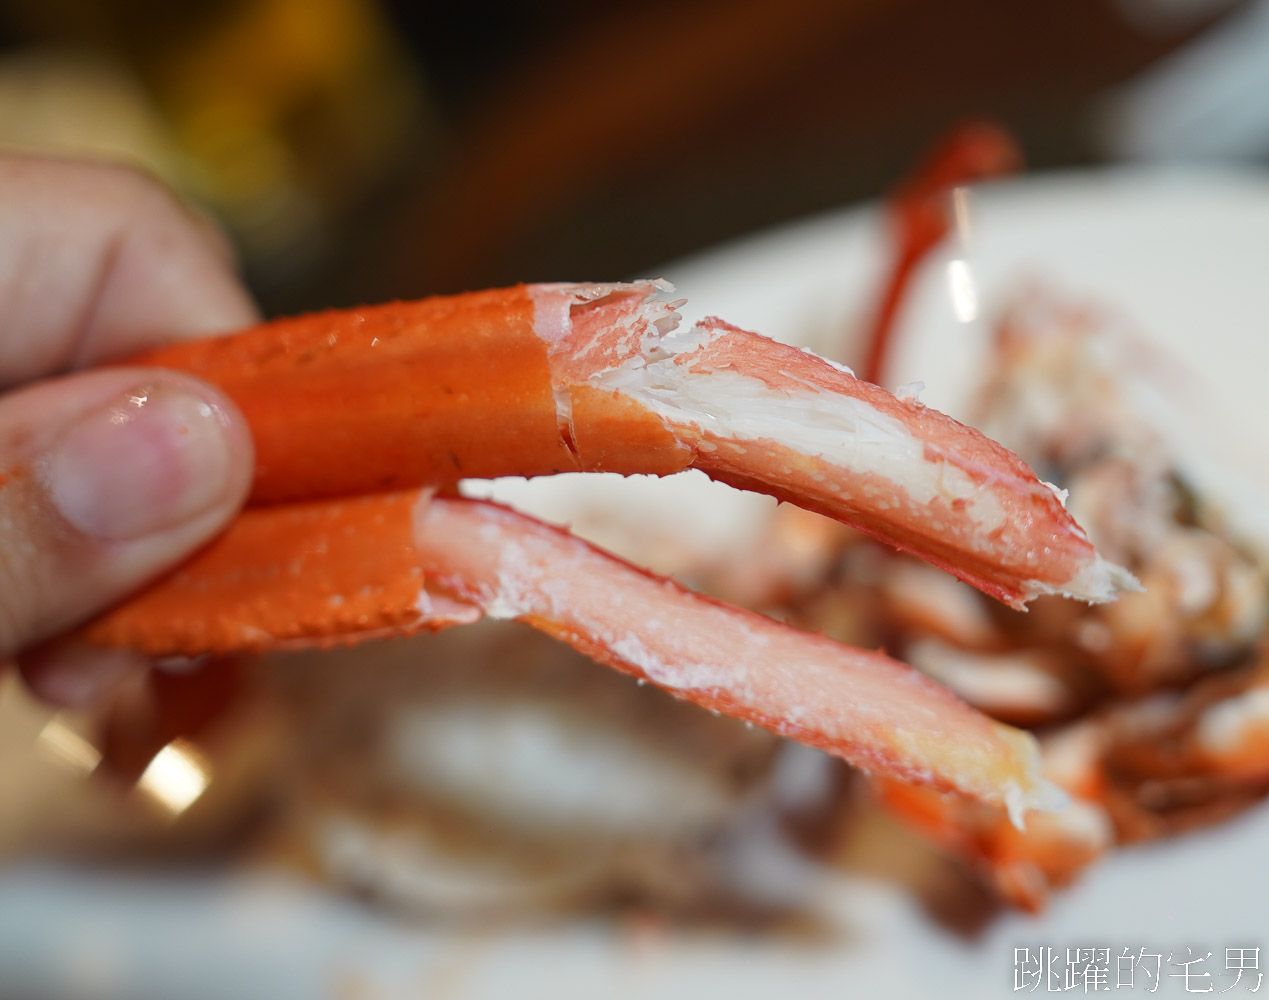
x=437, y=562
x=291, y=576
x=541, y=379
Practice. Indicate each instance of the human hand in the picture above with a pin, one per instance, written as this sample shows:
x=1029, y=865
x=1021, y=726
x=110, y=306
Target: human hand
x=107, y=477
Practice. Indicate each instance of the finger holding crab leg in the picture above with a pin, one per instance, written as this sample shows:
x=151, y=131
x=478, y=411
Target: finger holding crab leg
x=548, y=378
x=341, y=571
x=365, y=400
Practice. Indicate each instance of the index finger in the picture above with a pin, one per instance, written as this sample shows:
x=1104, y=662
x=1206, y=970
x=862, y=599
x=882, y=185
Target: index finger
x=99, y=261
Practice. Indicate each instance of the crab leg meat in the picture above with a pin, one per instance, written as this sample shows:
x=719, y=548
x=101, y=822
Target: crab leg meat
x=348, y=407
x=437, y=562
x=540, y=379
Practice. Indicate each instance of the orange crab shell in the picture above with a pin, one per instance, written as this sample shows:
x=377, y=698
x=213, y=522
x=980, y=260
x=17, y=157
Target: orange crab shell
x=351, y=406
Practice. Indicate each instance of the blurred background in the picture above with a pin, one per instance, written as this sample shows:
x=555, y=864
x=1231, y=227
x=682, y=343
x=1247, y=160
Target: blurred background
x=362, y=150
x=367, y=149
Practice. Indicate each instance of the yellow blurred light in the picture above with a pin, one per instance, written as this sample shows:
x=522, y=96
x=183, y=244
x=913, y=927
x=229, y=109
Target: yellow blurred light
x=176, y=777
x=67, y=747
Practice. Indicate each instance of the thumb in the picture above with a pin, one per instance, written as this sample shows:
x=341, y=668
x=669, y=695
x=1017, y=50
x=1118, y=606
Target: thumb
x=106, y=479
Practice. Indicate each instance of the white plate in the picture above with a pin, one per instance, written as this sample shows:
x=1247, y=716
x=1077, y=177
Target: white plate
x=1186, y=259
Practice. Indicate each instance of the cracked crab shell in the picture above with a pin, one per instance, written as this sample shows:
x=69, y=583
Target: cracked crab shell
x=540, y=379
